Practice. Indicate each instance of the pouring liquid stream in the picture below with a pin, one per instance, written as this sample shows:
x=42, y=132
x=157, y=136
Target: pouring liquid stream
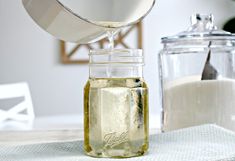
x=110, y=34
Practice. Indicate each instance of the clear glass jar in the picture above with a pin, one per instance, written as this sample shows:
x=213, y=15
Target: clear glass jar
x=116, y=104
x=187, y=99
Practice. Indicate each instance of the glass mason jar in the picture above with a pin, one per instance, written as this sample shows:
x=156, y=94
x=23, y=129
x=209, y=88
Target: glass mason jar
x=188, y=98
x=116, y=104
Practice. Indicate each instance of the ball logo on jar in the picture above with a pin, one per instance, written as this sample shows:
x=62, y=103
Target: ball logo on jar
x=114, y=139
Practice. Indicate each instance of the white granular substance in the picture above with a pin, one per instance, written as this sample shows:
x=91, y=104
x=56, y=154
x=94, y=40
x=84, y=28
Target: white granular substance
x=189, y=102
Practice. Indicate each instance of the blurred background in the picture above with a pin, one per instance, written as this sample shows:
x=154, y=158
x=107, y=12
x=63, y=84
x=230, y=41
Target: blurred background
x=27, y=53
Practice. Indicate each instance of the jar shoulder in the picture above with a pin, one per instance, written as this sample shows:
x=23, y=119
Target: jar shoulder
x=116, y=82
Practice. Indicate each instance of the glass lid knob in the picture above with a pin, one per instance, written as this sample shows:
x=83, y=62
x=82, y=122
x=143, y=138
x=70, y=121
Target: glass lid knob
x=202, y=22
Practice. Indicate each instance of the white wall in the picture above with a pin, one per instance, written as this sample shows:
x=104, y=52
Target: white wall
x=27, y=53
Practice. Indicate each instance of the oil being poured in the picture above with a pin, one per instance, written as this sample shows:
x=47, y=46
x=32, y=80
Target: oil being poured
x=111, y=34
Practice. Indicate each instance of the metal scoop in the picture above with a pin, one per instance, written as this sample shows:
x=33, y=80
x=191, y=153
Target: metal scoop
x=209, y=72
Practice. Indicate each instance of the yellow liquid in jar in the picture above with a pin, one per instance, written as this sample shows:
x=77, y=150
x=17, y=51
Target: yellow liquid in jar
x=116, y=117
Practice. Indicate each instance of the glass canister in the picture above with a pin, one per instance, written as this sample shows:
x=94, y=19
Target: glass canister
x=116, y=104
x=188, y=99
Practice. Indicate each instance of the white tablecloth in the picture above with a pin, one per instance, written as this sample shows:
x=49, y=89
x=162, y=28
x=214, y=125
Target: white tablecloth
x=202, y=143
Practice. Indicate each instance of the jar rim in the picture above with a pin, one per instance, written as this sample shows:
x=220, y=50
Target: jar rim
x=116, y=57
x=200, y=37
x=115, y=51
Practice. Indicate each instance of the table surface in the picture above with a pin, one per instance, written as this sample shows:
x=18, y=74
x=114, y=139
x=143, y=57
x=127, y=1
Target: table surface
x=61, y=122
x=50, y=129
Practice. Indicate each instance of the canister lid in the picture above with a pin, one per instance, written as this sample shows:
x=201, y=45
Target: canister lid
x=202, y=28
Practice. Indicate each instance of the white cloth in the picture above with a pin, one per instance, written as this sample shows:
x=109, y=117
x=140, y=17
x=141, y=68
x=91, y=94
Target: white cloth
x=201, y=143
